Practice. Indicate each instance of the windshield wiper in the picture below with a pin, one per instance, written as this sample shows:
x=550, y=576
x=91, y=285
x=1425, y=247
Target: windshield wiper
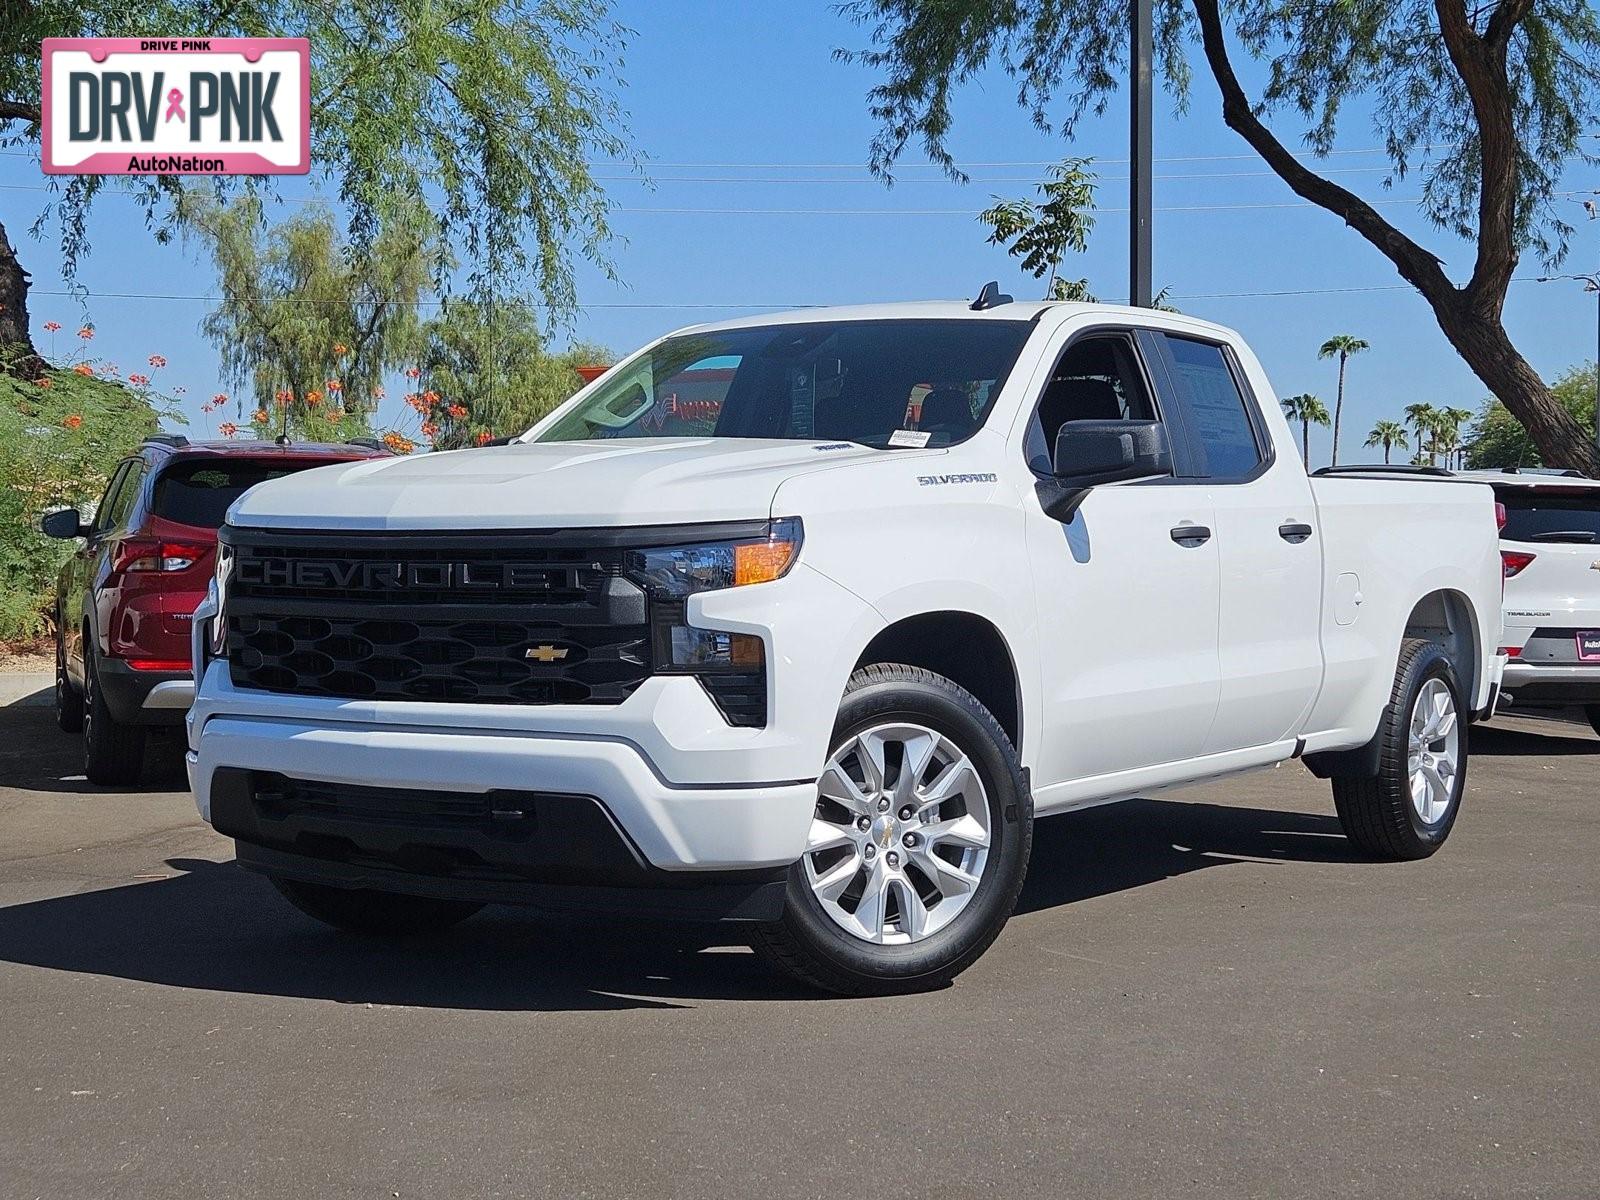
x=1563, y=535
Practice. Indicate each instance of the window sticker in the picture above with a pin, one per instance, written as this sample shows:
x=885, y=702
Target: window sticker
x=909, y=438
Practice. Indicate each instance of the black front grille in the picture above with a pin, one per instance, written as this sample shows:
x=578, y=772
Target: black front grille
x=502, y=619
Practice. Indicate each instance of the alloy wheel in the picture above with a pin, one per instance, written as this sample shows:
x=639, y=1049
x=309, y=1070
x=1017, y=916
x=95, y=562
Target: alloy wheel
x=901, y=834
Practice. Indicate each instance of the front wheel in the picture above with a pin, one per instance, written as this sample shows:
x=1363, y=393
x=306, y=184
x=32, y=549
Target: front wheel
x=69, y=701
x=1407, y=810
x=376, y=914
x=918, y=845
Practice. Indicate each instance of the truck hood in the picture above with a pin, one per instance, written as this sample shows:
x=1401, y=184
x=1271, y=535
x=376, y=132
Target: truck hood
x=642, y=481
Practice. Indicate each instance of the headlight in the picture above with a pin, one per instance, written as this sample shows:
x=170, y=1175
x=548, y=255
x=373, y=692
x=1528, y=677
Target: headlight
x=730, y=666
x=709, y=566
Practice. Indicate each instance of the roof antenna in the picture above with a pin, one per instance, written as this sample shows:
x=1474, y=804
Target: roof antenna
x=990, y=296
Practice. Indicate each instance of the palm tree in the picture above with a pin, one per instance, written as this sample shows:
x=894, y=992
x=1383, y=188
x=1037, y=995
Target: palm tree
x=1343, y=345
x=1421, y=418
x=1389, y=435
x=1446, y=430
x=1309, y=411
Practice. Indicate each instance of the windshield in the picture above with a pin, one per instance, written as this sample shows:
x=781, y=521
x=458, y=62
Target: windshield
x=1545, y=515
x=881, y=383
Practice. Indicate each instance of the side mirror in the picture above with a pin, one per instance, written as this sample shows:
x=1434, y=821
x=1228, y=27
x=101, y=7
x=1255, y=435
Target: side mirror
x=1089, y=453
x=63, y=524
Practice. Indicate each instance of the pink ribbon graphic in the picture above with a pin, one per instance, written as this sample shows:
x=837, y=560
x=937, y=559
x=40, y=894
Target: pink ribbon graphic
x=175, y=105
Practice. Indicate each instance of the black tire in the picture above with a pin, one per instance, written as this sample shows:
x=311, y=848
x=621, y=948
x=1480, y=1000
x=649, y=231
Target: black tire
x=1592, y=711
x=809, y=946
x=113, y=753
x=1376, y=812
x=69, y=701
x=374, y=914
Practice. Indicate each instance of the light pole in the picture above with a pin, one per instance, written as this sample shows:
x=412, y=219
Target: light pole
x=1591, y=283
x=1141, y=53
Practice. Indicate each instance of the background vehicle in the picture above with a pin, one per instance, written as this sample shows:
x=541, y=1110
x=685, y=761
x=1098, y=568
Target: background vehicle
x=1550, y=545
x=124, y=600
x=811, y=651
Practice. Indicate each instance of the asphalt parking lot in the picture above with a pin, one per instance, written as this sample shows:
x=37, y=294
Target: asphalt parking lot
x=1200, y=995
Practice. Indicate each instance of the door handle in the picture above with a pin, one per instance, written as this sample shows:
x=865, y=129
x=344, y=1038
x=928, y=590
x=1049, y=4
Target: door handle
x=1190, y=536
x=1294, y=532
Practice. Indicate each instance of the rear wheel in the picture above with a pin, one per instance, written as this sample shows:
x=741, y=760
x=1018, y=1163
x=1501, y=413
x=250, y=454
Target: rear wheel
x=1407, y=810
x=376, y=914
x=919, y=842
x=69, y=701
x=113, y=753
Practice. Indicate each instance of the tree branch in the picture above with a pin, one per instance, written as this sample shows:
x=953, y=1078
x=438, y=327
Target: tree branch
x=16, y=110
x=1416, y=265
x=1481, y=63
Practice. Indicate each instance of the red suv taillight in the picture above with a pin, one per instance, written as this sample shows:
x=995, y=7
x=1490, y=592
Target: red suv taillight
x=1499, y=515
x=138, y=555
x=1514, y=561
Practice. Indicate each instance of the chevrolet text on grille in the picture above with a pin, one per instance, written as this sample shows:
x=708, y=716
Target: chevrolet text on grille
x=336, y=573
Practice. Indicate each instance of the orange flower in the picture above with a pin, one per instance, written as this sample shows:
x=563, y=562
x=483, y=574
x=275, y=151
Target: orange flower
x=335, y=386
x=377, y=393
x=457, y=411
x=261, y=416
x=340, y=348
x=337, y=414
x=413, y=372
x=228, y=428
x=83, y=369
x=220, y=399
x=485, y=438
x=139, y=380
x=45, y=383
x=73, y=421
x=52, y=326
x=429, y=429
x=86, y=333
x=157, y=360
x=431, y=397
x=313, y=397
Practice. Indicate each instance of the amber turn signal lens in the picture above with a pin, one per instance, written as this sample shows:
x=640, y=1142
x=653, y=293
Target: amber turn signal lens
x=762, y=562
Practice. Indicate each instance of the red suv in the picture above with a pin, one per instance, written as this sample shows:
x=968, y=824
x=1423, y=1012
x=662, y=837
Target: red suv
x=125, y=599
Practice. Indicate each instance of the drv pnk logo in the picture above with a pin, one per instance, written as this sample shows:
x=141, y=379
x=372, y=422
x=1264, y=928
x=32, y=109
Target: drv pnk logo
x=195, y=106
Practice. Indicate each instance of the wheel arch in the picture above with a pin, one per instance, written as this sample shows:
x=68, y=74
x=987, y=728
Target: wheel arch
x=1446, y=618
x=965, y=648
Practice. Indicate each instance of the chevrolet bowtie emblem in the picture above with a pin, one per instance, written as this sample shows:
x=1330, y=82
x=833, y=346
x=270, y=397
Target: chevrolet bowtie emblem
x=546, y=653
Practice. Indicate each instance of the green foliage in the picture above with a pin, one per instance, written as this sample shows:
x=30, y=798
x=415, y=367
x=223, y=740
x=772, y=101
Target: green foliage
x=488, y=112
x=484, y=373
x=1387, y=59
x=1041, y=234
x=1309, y=411
x=308, y=324
x=1498, y=440
x=58, y=446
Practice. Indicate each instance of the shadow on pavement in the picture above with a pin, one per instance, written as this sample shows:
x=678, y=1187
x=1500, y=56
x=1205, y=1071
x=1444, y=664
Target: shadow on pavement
x=38, y=757
x=218, y=927
x=1501, y=740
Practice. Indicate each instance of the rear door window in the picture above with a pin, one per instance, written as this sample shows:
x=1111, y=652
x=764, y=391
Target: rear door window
x=199, y=492
x=1548, y=515
x=1222, y=436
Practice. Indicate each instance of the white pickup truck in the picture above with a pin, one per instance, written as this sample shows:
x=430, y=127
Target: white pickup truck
x=800, y=621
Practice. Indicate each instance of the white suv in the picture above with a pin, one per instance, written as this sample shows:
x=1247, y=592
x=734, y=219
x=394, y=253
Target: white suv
x=1550, y=544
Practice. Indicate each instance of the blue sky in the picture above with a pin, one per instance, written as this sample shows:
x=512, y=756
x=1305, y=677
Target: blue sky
x=748, y=99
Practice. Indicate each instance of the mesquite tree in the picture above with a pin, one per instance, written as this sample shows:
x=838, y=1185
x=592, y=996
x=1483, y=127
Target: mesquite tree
x=1487, y=103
